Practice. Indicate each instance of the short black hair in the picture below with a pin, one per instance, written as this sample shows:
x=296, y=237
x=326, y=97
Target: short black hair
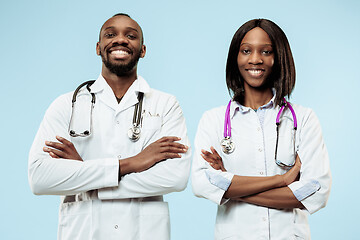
x=282, y=77
x=122, y=14
x=126, y=15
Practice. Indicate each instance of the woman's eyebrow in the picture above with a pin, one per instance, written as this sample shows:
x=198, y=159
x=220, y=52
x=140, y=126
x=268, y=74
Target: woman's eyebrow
x=266, y=44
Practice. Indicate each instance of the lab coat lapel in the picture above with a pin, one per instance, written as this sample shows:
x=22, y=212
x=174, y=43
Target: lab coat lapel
x=130, y=97
x=104, y=92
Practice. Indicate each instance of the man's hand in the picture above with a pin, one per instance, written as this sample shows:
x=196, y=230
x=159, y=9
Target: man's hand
x=162, y=149
x=62, y=149
x=213, y=158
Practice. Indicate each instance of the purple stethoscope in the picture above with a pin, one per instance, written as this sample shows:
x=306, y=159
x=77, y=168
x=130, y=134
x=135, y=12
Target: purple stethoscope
x=228, y=146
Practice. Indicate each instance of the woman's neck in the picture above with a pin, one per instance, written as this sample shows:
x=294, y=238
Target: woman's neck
x=255, y=98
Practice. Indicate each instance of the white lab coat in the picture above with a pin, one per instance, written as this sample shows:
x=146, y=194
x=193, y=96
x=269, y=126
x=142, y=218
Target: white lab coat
x=254, y=156
x=94, y=205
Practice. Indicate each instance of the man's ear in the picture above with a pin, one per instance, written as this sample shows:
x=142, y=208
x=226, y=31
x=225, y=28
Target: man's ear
x=143, y=51
x=98, y=48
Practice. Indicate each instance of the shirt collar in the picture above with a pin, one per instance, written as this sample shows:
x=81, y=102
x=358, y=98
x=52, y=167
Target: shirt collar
x=139, y=85
x=237, y=107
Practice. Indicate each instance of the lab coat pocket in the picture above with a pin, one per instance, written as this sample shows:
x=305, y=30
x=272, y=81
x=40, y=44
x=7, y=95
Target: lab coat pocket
x=286, y=150
x=301, y=226
x=153, y=122
x=284, y=143
x=75, y=221
x=154, y=221
x=151, y=128
x=225, y=232
x=301, y=231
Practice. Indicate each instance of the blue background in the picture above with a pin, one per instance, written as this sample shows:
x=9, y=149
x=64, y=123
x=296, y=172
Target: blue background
x=48, y=48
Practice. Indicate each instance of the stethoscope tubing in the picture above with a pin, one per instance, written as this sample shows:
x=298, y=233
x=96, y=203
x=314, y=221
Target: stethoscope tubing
x=286, y=104
x=227, y=125
x=133, y=133
x=86, y=133
x=228, y=145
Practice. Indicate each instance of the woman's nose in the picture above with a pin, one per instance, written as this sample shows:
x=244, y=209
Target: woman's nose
x=255, y=58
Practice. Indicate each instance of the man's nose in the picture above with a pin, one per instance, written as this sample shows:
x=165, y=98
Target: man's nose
x=121, y=39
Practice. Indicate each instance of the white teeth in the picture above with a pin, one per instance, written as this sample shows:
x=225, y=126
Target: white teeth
x=255, y=71
x=119, y=52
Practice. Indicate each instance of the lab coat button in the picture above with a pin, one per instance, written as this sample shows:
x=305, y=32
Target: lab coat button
x=258, y=129
x=116, y=226
x=264, y=219
x=260, y=150
x=261, y=173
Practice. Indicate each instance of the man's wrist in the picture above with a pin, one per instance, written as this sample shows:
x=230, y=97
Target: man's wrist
x=126, y=166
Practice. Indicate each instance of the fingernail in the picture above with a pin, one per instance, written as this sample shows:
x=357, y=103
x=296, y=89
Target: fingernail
x=47, y=142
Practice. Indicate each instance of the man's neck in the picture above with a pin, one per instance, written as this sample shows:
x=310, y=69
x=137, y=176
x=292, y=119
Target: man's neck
x=119, y=84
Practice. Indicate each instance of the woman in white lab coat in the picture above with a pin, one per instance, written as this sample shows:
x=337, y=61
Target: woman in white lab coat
x=260, y=196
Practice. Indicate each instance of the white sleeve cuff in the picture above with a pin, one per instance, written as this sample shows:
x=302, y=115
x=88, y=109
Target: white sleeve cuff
x=303, y=190
x=220, y=179
x=111, y=179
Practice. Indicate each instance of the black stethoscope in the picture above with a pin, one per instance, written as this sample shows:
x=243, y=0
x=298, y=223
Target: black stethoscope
x=133, y=133
x=228, y=146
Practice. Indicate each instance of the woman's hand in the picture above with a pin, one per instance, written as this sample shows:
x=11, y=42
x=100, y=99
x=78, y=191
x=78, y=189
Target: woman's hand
x=294, y=173
x=213, y=158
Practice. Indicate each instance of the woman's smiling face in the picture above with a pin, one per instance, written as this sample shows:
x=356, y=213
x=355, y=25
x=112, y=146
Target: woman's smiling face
x=256, y=58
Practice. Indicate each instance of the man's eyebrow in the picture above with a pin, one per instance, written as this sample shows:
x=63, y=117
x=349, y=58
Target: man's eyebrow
x=108, y=28
x=134, y=29
x=130, y=28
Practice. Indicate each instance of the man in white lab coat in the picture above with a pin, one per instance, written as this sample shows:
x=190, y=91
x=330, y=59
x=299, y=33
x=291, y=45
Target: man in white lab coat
x=111, y=186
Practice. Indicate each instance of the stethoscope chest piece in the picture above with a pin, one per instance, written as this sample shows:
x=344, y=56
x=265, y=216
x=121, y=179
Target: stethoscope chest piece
x=134, y=133
x=227, y=145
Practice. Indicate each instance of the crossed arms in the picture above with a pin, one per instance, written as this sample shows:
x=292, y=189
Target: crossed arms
x=263, y=191
x=56, y=165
